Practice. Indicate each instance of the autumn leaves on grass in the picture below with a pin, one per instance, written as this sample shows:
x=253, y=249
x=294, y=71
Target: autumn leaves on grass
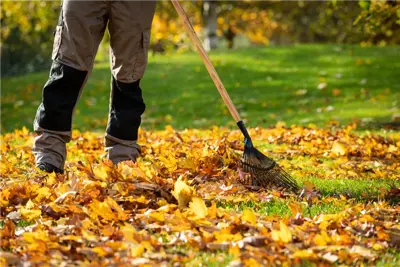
x=173, y=197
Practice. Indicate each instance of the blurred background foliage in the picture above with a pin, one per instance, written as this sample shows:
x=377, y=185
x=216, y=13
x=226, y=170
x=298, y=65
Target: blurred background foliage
x=27, y=26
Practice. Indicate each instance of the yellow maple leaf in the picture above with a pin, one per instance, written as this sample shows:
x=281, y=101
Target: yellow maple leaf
x=251, y=262
x=51, y=179
x=34, y=237
x=322, y=239
x=162, y=202
x=4, y=166
x=4, y=196
x=142, y=199
x=304, y=254
x=187, y=163
x=29, y=212
x=88, y=235
x=121, y=214
x=249, y=216
x=182, y=192
x=137, y=251
x=101, y=251
x=100, y=173
x=284, y=235
x=43, y=192
x=226, y=235
x=234, y=250
x=126, y=170
x=101, y=209
x=198, y=207
x=30, y=204
x=169, y=162
x=392, y=148
x=295, y=208
x=158, y=216
x=338, y=149
x=129, y=233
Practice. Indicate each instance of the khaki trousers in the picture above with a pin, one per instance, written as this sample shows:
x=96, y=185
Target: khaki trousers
x=80, y=29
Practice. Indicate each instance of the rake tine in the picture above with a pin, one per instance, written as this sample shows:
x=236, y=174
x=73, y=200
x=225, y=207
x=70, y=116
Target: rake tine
x=274, y=175
x=285, y=179
x=288, y=178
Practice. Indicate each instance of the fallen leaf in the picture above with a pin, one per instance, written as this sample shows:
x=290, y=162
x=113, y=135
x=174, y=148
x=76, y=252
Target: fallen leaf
x=30, y=212
x=330, y=257
x=182, y=193
x=336, y=92
x=338, y=149
x=198, y=207
x=283, y=235
x=362, y=251
x=10, y=258
x=249, y=216
x=304, y=254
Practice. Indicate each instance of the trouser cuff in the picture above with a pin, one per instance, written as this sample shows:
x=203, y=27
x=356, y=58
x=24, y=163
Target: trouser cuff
x=121, y=150
x=50, y=148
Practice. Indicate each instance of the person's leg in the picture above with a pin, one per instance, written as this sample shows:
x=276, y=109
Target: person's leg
x=78, y=34
x=129, y=27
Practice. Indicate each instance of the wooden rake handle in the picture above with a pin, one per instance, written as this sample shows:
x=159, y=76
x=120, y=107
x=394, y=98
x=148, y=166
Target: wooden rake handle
x=211, y=70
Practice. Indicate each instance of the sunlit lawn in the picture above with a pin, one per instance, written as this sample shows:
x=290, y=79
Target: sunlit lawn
x=267, y=84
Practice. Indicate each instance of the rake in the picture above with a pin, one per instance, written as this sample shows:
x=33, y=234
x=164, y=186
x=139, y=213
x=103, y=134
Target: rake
x=264, y=171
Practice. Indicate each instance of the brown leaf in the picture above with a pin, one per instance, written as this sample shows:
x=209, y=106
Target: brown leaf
x=10, y=258
x=394, y=234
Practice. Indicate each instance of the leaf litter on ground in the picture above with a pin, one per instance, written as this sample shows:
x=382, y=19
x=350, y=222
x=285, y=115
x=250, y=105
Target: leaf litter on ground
x=139, y=213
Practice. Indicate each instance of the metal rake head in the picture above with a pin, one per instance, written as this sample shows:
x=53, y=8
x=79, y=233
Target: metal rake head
x=264, y=171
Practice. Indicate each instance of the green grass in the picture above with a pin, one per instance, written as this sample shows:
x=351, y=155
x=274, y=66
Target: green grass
x=210, y=259
x=365, y=189
x=281, y=207
x=356, y=191
x=390, y=258
x=20, y=223
x=267, y=84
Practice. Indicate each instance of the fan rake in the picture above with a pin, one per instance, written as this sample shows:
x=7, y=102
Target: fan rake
x=264, y=171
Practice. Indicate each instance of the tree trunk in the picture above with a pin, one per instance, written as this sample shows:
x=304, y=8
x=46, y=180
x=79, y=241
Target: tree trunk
x=210, y=24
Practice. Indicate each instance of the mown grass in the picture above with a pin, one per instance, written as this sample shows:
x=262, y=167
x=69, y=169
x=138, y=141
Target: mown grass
x=365, y=189
x=389, y=259
x=281, y=207
x=20, y=223
x=211, y=259
x=267, y=84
